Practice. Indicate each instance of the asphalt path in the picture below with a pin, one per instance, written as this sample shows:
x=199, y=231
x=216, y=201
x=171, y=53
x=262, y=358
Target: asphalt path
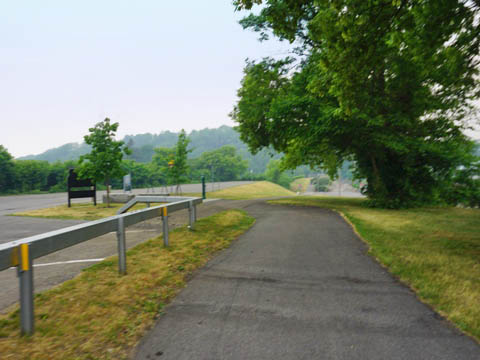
x=300, y=285
x=14, y=228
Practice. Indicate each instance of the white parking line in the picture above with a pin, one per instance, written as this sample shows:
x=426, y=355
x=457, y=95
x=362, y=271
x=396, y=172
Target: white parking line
x=69, y=262
x=66, y=262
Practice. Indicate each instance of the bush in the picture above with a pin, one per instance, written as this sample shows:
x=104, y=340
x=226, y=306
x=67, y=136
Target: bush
x=320, y=183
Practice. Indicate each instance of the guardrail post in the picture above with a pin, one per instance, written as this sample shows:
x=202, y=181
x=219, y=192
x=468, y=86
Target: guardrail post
x=195, y=213
x=25, y=274
x=122, y=253
x=204, y=196
x=191, y=215
x=165, y=225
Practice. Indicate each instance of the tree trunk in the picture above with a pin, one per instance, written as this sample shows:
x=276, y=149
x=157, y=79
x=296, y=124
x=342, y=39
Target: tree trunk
x=378, y=184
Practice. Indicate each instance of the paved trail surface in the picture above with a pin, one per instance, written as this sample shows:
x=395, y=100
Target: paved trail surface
x=299, y=285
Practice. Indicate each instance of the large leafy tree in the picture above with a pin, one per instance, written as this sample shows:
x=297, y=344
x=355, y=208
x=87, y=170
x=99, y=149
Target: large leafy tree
x=104, y=162
x=386, y=83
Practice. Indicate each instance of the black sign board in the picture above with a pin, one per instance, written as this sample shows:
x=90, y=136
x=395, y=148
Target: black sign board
x=74, y=182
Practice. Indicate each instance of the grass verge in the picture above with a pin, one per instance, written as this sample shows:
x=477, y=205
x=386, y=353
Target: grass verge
x=82, y=211
x=256, y=190
x=300, y=185
x=102, y=315
x=436, y=251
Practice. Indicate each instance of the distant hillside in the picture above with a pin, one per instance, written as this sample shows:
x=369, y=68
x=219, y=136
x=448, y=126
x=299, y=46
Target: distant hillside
x=142, y=146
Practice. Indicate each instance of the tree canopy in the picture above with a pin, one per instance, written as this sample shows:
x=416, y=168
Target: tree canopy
x=178, y=167
x=104, y=162
x=224, y=164
x=384, y=83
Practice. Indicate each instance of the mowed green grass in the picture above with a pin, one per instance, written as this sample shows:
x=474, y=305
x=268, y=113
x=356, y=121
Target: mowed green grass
x=436, y=251
x=256, y=190
x=102, y=315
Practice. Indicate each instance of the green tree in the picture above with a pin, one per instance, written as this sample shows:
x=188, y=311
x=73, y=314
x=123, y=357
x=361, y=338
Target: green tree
x=104, y=162
x=179, y=167
x=383, y=83
x=224, y=162
x=276, y=174
x=7, y=171
x=31, y=175
x=143, y=175
x=160, y=161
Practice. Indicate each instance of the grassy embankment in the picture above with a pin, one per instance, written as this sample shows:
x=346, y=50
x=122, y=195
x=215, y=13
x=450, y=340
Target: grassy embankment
x=87, y=211
x=436, y=251
x=300, y=185
x=102, y=315
x=82, y=211
x=256, y=190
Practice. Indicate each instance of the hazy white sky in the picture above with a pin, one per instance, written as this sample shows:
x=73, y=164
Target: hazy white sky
x=151, y=65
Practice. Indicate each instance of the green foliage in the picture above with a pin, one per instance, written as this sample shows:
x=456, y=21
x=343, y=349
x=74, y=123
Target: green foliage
x=142, y=147
x=465, y=186
x=142, y=154
x=31, y=175
x=7, y=174
x=105, y=160
x=276, y=174
x=178, y=172
x=320, y=183
x=224, y=164
x=160, y=161
x=143, y=175
x=385, y=84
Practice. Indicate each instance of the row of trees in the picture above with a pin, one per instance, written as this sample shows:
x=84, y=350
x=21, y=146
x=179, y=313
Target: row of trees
x=143, y=146
x=224, y=164
x=21, y=176
x=105, y=164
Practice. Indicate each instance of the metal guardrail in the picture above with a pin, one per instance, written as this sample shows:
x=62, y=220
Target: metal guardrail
x=149, y=199
x=21, y=253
